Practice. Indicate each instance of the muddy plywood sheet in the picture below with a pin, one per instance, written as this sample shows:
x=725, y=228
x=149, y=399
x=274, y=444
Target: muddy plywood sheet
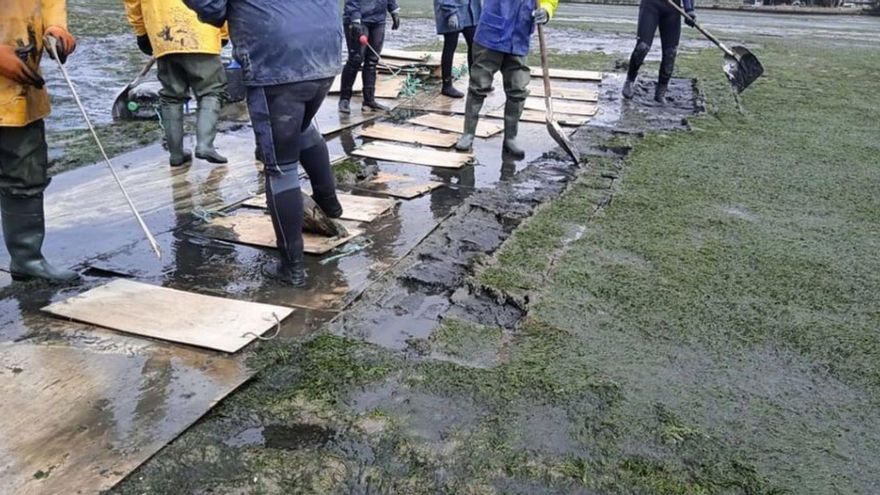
x=564, y=107
x=354, y=208
x=381, y=150
x=455, y=123
x=254, y=228
x=406, y=135
x=565, y=93
x=77, y=419
x=146, y=310
x=571, y=75
x=399, y=185
x=342, y=122
x=412, y=56
x=540, y=117
x=386, y=86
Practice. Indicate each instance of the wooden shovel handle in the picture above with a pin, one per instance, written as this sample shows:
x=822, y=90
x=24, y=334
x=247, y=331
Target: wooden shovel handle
x=702, y=30
x=545, y=69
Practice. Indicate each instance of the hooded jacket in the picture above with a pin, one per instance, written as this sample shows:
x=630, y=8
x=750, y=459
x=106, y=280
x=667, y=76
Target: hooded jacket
x=369, y=11
x=173, y=28
x=279, y=41
x=468, y=12
x=506, y=26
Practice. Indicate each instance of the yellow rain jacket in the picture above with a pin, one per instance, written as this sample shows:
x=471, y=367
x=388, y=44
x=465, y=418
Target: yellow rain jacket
x=22, y=22
x=173, y=27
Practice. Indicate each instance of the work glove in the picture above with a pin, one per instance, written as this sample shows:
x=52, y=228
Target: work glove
x=13, y=68
x=453, y=23
x=66, y=41
x=144, y=44
x=356, y=29
x=395, y=21
x=541, y=16
x=693, y=17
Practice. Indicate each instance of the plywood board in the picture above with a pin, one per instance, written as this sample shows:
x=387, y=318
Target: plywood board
x=405, y=55
x=406, y=135
x=167, y=314
x=346, y=122
x=386, y=86
x=381, y=150
x=399, y=185
x=455, y=123
x=576, y=94
x=355, y=208
x=336, y=87
x=573, y=75
x=563, y=107
x=254, y=228
x=539, y=117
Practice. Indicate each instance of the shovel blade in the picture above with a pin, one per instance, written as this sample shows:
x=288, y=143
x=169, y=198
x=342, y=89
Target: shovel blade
x=562, y=140
x=742, y=70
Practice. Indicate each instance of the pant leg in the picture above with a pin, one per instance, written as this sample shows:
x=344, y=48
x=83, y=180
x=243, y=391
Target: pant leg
x=469, y=33
x=376, y=33
x=24, y=160
x=314, y=156
x=174, y=78
x=450, y=43
x=486, y=63
x=205, y=74
x=670, y=36
x=649, y=19
x=352, y=65
x=517, y=76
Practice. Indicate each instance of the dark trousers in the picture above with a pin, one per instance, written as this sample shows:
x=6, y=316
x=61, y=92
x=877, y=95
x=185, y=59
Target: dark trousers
x=181, y=72
x=655, y=14
x=286, y=137
x=24, y=160
x=361, y=56
x=450, y=43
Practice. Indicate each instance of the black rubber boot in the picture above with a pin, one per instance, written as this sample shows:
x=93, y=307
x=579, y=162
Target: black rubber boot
x=512, y=113
x=628, y=89
x=172, y=122
x=286, y=210
x=660, y=94
x=344, y=106
x=471, y=118
x=206, y=130
x=450, y=90
x=288, y=271
x=315, y=160
x=24, y=228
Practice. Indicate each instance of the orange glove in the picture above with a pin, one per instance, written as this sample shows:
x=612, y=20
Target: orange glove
x=11, y=67
x=66, y=41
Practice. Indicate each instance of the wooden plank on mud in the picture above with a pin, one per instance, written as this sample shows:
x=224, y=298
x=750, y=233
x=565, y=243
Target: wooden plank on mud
x=386, y=86
x=572, y=75
x=563, y=107
x=141, y=309
x=539, y=117
x=399, y=185
x=254, y=228
x=564, y=93
x=406, y=135
x=346, y=122
x=355, y=208
x=455, y=123
x=381, y=150
x=406, y=55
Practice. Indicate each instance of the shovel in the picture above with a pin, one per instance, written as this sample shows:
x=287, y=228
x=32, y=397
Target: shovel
x=120, y=104
x=741, y=66
x=553, y=127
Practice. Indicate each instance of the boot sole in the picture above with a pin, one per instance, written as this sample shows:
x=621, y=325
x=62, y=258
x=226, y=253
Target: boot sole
x=211, y=159
x=19, y=277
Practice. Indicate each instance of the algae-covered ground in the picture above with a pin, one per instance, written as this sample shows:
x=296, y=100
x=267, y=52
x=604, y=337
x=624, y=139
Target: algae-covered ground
x=702, y=318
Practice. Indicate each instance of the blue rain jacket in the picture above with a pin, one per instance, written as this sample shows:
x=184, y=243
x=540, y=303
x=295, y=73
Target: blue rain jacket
x=279, y=41
x=468, y=13
x=506, y=26
x=369, y=11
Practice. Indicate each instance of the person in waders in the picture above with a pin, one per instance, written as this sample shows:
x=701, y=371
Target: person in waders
x=188, y=58
x=365, y=18
x=454, y=18
x=502, y=43
x=290, y=52
x=24, y=104
x=654, y=14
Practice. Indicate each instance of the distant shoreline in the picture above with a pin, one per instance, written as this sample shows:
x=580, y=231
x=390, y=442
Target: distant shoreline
x=763, y=9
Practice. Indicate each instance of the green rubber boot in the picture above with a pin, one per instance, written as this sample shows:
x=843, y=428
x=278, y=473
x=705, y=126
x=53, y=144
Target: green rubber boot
x=24, y=228
x=206, y=129
x=172, y=121
x=512, y=112
x=472, y=108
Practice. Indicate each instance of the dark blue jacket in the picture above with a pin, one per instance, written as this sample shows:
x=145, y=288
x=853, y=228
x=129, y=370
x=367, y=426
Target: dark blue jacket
x=468, y=12
x=506, y=26
x=279, y=41
x=369, y=11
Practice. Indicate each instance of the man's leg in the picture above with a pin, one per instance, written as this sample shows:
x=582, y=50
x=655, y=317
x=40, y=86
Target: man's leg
x=670, y=35
x=351, y=69
x=371, y=63
x=648, y=21
x=207, y=77
x=24, y=176
x=516, y=76
x=277, y=116
x=450, y=43
x=486, y=63
x=315, y=158
x=172, y=96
